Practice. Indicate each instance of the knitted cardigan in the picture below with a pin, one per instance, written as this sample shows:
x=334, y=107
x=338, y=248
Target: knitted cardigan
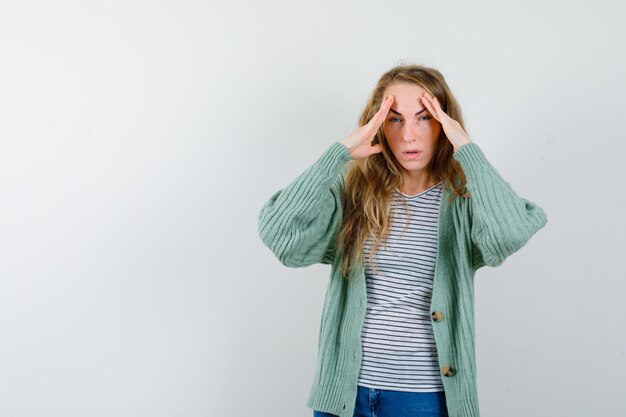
x=300, y=223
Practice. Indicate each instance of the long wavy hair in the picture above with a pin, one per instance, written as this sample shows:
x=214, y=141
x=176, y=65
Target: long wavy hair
x=370, y=182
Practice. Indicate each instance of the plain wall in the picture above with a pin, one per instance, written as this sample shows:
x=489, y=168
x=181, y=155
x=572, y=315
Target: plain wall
x=139, y=140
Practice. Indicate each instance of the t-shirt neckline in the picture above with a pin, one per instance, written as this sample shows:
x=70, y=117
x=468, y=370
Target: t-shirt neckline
x=419, y=194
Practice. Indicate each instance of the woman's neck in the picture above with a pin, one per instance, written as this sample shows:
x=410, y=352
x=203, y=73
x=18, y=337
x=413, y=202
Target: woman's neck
x=414, y=186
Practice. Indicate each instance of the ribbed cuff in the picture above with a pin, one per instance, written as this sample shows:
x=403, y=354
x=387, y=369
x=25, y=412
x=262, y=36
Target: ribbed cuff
x=472, y=158
x=338, y=150
x=470, y=153
x=332, y=161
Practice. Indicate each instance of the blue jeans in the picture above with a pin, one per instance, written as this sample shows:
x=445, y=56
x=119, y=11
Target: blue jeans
x=373, y=402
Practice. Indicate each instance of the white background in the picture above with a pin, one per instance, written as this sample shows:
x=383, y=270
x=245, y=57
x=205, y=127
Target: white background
x=139, y=140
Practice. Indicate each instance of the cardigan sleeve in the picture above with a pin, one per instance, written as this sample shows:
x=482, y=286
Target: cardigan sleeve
x=501, y=221
x=300, y=223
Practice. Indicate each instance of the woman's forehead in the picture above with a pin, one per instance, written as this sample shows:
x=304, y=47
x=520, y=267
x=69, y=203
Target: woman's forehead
x=407, y=97
x=405, y=89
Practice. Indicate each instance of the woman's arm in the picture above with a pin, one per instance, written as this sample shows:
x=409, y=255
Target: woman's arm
x=502, y=221
x=299, y=223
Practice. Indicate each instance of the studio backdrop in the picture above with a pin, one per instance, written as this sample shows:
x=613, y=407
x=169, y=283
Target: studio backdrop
x=139, y=140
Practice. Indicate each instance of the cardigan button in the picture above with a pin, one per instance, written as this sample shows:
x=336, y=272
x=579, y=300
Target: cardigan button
x=437, y=315
x=447, y=370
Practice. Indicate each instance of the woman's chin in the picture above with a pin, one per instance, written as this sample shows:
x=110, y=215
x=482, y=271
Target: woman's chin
x=413, y=165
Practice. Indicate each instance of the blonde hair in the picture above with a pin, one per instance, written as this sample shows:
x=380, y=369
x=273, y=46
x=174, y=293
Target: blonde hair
x=370, y=181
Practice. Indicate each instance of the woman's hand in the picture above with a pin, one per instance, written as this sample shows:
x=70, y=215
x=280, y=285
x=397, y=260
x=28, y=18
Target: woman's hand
x=453, y=130
x=359, y=142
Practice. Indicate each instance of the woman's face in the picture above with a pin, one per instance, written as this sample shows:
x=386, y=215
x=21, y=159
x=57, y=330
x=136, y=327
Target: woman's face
x=409, y=126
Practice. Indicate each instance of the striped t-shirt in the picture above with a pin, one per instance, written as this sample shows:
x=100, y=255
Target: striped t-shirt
x=398, y=343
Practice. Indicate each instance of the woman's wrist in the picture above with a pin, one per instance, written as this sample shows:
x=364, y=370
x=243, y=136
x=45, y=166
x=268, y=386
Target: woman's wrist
x=457, y=147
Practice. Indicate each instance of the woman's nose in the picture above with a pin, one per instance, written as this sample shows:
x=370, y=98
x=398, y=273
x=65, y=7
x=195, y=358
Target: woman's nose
x=410, y=132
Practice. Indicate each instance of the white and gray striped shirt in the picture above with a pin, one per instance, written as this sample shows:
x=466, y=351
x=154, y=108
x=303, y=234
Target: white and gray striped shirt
x=398, y=343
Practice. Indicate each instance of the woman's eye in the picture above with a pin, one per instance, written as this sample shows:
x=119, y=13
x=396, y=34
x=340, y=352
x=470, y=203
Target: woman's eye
x=426, y=117
x=393, y=119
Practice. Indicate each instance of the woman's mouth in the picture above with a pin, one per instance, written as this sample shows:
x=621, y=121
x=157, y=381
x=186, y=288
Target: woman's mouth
x=411, y=154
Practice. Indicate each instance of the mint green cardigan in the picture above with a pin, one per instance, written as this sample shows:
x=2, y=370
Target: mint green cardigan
x=299, y=224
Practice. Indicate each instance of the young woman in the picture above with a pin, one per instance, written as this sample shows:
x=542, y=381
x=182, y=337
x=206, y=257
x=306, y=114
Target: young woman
x=405, y=209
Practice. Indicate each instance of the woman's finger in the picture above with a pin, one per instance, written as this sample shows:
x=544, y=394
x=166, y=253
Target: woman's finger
x=431, y=107
x=440, y=114
x=380, y=115
x=438, y=105
x=359, y=142
x=453, y=130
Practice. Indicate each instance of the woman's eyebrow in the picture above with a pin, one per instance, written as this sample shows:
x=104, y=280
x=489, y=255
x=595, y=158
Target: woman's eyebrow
x=401, y=114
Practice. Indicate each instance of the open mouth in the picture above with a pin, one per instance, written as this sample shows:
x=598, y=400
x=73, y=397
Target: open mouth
x=412, y=154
